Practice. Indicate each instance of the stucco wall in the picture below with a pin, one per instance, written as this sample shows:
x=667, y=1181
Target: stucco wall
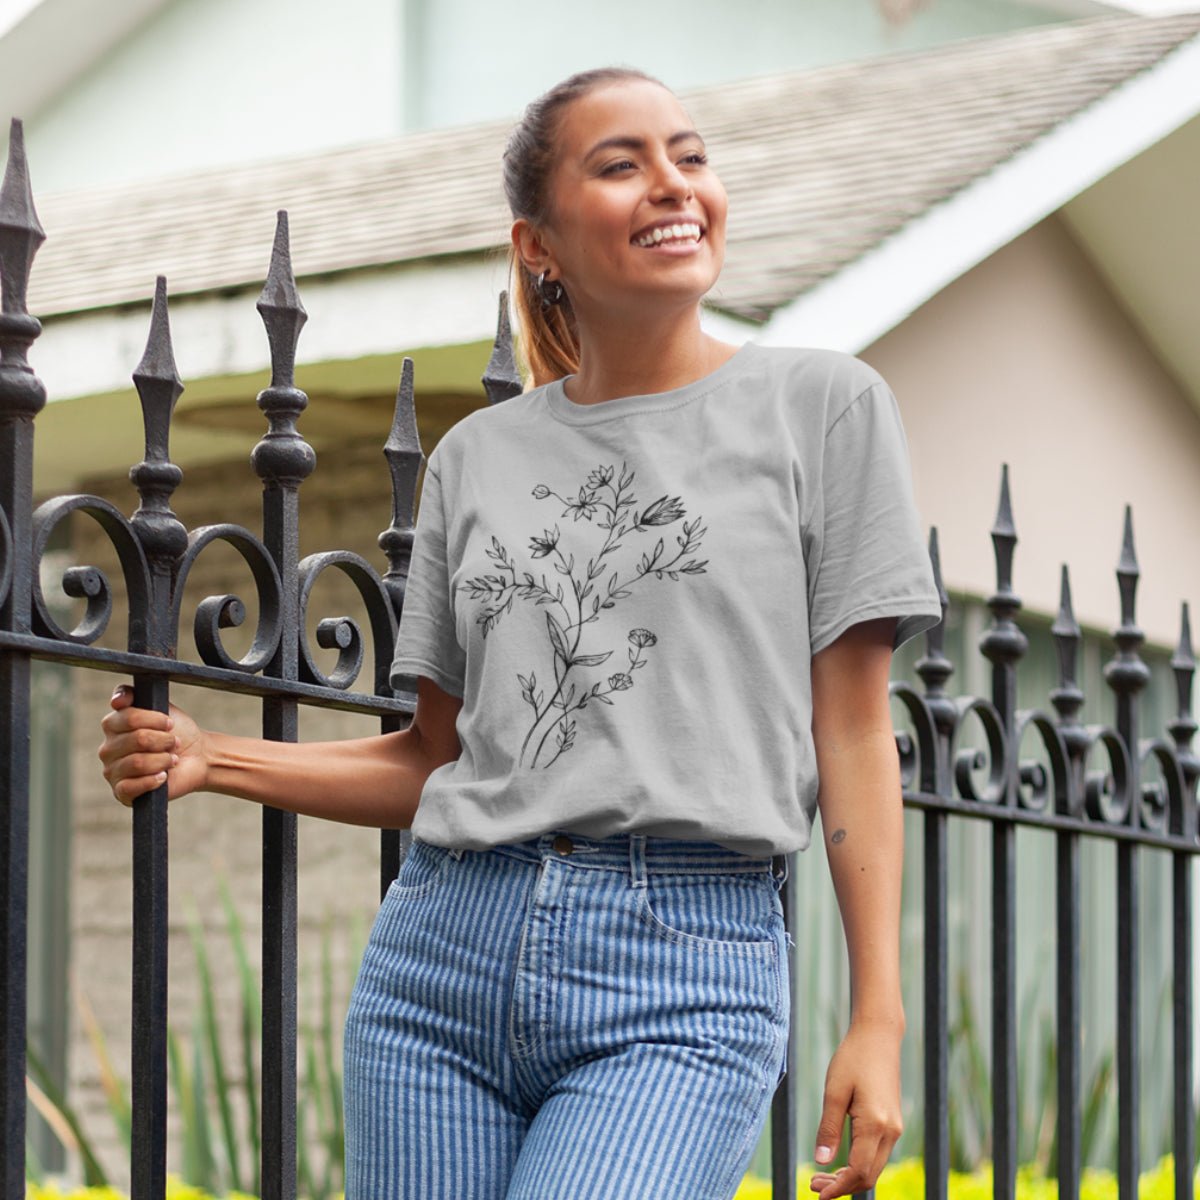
x=1029, y=360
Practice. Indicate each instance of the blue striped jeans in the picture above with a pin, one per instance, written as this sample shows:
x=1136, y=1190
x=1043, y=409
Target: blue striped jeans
x=566, y=1019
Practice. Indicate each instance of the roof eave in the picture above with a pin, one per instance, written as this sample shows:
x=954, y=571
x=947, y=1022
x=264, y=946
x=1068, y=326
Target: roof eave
x=872, y=295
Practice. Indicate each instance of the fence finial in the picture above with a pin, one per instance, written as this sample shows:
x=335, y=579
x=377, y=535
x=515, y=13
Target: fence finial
x=1067, y=638
x=158, y=385
x=935, y=668
x=1067, y=697
x=1126, y=673
x=1003, y=643
x=1183, y=727
x=283, y=456
x=21, y=232
x=1004, y=536
x=280, y=308
x=501, y=379
x=1128, y=572
x=404, y=458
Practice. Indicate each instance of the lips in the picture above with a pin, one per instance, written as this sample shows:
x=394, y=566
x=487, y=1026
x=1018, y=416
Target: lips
x=678, y=233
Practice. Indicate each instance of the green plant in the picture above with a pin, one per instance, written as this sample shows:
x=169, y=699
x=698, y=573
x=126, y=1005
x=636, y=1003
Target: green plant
x=216, y=1092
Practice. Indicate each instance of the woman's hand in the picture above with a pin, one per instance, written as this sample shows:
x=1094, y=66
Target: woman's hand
x=143, y=748
x=862, y=1083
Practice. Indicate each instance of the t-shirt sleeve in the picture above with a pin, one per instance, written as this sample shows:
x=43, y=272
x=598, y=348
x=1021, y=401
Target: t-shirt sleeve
x=427, y=643
x=866, y=555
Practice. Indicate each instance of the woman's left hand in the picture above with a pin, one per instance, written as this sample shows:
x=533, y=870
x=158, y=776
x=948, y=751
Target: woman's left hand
x=862, y=1083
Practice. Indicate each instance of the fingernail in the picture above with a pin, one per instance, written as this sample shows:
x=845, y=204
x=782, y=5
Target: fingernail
x=824, y=1154
x=174, y=760
x=119, y=690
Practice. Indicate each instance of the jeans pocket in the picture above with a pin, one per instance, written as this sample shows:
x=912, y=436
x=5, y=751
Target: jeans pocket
x=424, y=867
x=717, y=912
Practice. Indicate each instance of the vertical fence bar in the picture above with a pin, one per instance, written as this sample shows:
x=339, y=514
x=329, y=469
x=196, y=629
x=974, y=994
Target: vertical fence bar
x=1183, y=823
x=1003, y=644
x=935, y=669
x=404, y=458
x=22, y=397
x=1127, y=675
x=1067, y=699
x=164, y=539
x=283, y=460
x=784, y=1157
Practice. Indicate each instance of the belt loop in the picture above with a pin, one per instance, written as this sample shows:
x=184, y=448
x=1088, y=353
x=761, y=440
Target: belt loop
x=779, y=868
x=637, y=860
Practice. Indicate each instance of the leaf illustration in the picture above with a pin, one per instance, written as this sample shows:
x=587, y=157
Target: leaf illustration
x=590, y=660
x=558, y=638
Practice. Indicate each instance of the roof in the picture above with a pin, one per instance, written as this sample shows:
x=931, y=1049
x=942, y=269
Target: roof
x=821, y=166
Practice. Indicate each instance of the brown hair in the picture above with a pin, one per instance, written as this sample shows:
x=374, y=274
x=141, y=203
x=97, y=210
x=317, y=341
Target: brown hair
x=549, y=336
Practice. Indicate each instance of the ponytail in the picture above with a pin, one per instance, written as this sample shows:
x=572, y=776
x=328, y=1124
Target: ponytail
x=548, y=344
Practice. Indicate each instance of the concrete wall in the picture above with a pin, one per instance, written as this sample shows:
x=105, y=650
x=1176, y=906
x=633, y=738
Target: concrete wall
x=1028, y=360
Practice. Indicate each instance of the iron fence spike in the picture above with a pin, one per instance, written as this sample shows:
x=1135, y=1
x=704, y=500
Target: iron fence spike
x=403, y=450
x=280, y=308
x=1067, y=637
x=1183, y=659
x=404, y=458
x=501, y=379
x=1065, y=624
x=21, y=232
x=1004, y=536
x=158, y=385
x=158, y=360
x=1128, y=572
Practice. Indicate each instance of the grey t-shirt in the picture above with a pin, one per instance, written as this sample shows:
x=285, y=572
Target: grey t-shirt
x=627, y=597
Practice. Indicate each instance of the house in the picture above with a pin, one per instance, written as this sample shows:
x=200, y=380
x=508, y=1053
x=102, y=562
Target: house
x=998, y=224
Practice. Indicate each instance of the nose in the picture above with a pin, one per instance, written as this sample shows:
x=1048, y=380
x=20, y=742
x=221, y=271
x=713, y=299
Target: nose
x=670, y=183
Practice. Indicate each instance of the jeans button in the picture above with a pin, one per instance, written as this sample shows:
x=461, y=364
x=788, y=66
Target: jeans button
x=562, y=845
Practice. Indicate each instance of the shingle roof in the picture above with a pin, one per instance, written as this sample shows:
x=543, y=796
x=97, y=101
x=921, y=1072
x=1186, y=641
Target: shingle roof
x=820, y=166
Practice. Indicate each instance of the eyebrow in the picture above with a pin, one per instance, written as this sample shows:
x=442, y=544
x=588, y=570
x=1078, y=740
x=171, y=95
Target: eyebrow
x=625, y=142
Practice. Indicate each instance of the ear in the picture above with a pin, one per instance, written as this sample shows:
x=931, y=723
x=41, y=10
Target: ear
x=529, y=243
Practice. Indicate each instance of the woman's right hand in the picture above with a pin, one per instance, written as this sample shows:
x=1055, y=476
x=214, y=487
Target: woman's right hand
x=142, y=748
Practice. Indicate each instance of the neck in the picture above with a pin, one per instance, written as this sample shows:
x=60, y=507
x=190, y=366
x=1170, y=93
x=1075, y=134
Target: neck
x=643, y=359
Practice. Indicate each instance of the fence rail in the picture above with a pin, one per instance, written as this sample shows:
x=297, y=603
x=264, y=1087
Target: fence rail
x=961, y=758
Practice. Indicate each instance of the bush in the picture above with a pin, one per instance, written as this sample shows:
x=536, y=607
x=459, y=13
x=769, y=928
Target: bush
x=900, y=1181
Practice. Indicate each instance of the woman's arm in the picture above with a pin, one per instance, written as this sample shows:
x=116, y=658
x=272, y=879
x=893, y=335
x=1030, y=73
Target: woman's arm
x=862, y=818
x=372, y=781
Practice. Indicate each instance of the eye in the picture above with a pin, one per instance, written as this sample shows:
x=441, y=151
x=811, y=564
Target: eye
x=697, y=158
x=616, y=168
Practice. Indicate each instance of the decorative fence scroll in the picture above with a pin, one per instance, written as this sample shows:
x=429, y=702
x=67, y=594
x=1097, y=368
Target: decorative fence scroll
x=1084, y=782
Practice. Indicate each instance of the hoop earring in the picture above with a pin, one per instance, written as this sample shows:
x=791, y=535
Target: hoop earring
x=550, y=290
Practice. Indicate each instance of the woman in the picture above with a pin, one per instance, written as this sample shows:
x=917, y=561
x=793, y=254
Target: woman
x=652, y=603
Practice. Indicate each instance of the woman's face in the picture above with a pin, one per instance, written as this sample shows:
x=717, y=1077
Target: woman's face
x=635, y=211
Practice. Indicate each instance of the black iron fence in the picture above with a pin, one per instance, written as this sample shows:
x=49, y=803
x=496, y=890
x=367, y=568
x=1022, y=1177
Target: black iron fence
x=973, y=758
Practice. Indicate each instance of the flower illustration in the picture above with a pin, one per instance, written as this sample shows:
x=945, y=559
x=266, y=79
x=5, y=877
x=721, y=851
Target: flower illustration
x=546, y=544
x=596, y=566
x=662, y=512
x=583, y=506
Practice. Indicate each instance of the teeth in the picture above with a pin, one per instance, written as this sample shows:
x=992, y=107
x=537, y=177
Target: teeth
x=688, y=231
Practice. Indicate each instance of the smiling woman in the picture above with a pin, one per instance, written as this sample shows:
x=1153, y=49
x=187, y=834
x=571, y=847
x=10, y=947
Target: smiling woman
x=577, y=986
x=617, y=212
